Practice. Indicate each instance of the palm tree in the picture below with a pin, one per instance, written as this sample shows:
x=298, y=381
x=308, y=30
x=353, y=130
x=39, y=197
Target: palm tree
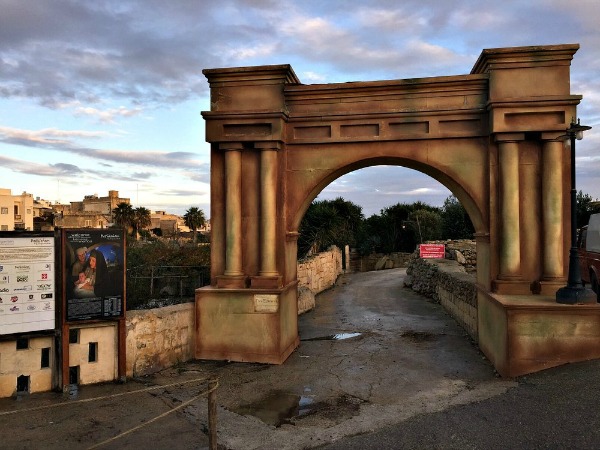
x=124, y=215
x=141, y=219
x=194, y=219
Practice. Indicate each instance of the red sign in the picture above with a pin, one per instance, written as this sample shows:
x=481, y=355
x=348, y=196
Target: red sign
x=432, y=250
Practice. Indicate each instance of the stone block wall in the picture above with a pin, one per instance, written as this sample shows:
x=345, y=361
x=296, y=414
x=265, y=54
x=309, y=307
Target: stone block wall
x=159, y=338
x=319, y=272
x=456, y=292
x=316, y=274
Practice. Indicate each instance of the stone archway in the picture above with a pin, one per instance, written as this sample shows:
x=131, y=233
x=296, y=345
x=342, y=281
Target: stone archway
x=493, y=137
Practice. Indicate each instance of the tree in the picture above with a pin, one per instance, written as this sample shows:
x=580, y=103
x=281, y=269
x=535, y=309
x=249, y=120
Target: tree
x=329, y=222
x=141, y=219
x=429, y=224
x=194, y=219
x=124, y=215
x=396, y=229
x=456, y=223
x=585, y=208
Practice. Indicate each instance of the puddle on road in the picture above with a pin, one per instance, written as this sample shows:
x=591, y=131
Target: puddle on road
x=334, y=337
x=277, y=408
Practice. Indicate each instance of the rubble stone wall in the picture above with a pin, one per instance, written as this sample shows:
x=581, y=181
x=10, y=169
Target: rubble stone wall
x=377, y=261
x=451, y=282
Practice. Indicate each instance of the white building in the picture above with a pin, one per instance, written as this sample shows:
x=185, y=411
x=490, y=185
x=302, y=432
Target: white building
x=16, y=211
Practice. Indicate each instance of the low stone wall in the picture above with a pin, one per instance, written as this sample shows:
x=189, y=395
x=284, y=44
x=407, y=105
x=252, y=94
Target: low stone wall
x=316, y=274
x=448, y=282
x=377, y=261
x=159, y=338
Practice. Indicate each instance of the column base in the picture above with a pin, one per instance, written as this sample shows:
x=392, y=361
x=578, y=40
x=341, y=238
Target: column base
x=550, y=286
x=231, y=282
x=266, y=282
x=516, y=286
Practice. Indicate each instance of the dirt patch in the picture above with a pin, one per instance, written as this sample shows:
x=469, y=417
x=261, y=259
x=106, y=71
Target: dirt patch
x=419, y=336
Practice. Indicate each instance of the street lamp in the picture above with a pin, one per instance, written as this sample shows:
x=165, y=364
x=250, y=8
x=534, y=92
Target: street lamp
x=574, y=292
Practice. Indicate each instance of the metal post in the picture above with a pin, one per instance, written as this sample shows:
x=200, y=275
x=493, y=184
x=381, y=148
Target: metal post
x=212, y=414
x=151, y=281
x=574, y=292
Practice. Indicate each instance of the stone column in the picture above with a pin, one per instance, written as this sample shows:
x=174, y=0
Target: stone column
x=268, y=208
x=510, y=243
x=552, y=208
x=233, y=210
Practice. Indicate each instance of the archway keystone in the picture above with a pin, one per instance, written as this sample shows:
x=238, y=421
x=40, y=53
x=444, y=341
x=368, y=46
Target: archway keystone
x=492, y=137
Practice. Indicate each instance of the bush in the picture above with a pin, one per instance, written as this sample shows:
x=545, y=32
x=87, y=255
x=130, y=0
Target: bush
x=165, y=270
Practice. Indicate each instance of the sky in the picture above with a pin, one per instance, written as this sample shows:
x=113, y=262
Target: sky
x=107, y=94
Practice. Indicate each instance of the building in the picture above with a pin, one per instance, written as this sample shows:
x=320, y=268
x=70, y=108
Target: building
x=16, y=211
x=43, y=215
x=169, y=224
x=91, y=212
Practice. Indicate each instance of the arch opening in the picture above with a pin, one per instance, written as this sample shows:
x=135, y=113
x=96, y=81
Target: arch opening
x=454, y=187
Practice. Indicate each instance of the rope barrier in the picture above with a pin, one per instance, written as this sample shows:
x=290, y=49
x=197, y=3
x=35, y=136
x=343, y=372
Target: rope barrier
x=160, y=416
x=105, y=397
x=212, y=408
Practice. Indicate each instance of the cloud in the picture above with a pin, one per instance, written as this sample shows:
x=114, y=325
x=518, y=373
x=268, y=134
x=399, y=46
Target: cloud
x=43, y=170
x=111, y=60
x=107, y=115
x=63, y=140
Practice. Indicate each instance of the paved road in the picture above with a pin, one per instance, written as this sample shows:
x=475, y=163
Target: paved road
x=554, y=409
x=401, y=374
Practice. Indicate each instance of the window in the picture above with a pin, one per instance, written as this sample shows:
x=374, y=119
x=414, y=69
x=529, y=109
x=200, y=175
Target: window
x=45, y=362
x=22, y=343
x=4, y=210
x=88, y=223
x=93, y=352
x=4, y=228
x=74, y=336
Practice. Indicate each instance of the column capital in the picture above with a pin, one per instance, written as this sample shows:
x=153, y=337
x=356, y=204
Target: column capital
x=554, y=136
x=227, y=146
x=268, y=145
x=509, y=137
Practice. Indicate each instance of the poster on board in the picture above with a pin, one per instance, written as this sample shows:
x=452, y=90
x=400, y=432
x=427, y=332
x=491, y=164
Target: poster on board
x=94, y=273
x=27, y=282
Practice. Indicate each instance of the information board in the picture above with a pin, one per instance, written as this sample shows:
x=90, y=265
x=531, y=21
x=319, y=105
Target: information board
x=27, y=283
x=94, y=273
x=434, y=251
